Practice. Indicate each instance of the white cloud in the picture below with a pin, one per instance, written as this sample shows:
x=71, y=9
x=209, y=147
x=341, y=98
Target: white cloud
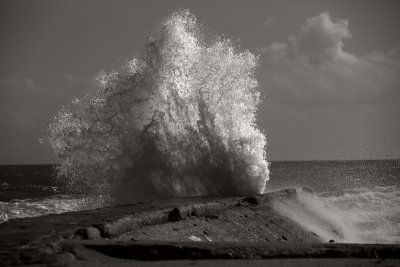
x=313, y=67
x=321, y=39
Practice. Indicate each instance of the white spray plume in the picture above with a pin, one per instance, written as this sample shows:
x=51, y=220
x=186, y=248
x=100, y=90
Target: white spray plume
x=178, y=122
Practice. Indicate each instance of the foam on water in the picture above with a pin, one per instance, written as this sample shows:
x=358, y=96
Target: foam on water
x=368, y=215
x=21, y=208
x=178, y=122
x=373, y=213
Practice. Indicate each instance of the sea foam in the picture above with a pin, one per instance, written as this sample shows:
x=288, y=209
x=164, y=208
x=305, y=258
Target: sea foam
x=180, y=121
x=363, y=215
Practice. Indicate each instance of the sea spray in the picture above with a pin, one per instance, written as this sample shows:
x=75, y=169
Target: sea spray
x=373, y=212
x=180, y=121
x=326, y=221
x=358, y=215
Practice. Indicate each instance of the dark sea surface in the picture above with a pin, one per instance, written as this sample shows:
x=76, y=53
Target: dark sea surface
x=33, y=190
x=363, y=194
x=27, y=181
x=323, y=176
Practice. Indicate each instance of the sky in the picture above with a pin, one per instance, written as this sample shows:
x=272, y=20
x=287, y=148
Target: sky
x=329, y=70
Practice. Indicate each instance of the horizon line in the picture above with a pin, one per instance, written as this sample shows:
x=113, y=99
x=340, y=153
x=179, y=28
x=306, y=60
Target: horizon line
x=277, y=160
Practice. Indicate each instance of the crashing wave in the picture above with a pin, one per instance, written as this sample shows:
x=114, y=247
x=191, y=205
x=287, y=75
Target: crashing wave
x=181, y=121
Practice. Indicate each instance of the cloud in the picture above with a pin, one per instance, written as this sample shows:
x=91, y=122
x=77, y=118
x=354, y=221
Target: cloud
x=321, y=39
x=324, y=102
x=268, y=21
x=313, y=67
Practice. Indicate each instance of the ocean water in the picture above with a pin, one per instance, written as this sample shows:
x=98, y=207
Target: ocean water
x=33, y=190
x=361, y=197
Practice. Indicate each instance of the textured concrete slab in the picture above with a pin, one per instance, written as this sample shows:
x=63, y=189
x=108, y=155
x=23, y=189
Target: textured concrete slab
x=169, y=230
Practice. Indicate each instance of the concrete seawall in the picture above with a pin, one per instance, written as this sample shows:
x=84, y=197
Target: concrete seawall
x=224, y=228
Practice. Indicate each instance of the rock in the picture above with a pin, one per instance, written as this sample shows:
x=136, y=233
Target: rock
x=90, y=233
x=253, y=200
x=175, y=215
